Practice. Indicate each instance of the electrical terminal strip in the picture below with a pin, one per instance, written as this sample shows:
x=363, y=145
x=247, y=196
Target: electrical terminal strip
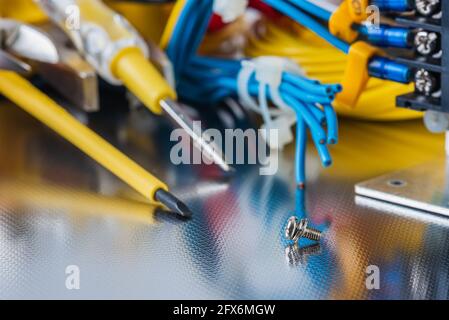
x=429, y=23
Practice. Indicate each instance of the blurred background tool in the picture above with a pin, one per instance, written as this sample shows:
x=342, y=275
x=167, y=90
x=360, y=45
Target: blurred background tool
x=16, y=38
x=72, y=77
x=118, y=53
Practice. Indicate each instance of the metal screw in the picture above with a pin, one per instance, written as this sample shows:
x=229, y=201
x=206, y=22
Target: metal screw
x=425, y=82
x=428, y=7
x=296, y=255
x=297, y=229
x=427, y=43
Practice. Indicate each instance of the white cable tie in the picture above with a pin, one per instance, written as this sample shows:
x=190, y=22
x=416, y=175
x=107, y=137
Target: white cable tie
x=230, y=10
x=268, y=71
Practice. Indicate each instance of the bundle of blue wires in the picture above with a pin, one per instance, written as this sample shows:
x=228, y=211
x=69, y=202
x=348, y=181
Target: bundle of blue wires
x=208, y=80
x=188, y=33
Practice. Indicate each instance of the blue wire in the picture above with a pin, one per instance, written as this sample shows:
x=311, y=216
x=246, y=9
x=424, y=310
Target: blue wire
x=216, y=79
x=332, y=124
x=307, y=85
x=316, y=130
x=301, y=146
x=320, y=144
x=318, y=114
x=188, y=32
x=173, y=45
x=195, y=31
x=305, y=96
x=308, y=22
x=313, y=9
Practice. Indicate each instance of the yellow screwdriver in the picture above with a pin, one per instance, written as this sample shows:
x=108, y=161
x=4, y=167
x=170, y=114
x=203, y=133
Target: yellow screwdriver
x=29, y=98
x=118, y=53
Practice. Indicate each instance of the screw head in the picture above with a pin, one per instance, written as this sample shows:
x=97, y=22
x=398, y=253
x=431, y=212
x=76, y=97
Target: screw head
x=425, y=82
x=295, y=228
x=428, y=7
x=427, y=42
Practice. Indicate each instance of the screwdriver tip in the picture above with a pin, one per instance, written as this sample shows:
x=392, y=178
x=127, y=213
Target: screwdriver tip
x=230, y=172
x=173, y=203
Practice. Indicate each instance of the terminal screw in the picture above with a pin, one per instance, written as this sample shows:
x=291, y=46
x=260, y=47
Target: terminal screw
x=425, y=82
x=427, y=43
x=428, y=8
x=297, y=229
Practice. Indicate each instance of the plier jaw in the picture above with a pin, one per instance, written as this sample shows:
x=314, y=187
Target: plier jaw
x=24, y=48
x=10, y=63
x=27, y=42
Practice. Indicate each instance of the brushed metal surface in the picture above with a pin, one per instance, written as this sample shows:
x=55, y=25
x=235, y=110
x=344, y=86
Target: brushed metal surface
x=58, y=208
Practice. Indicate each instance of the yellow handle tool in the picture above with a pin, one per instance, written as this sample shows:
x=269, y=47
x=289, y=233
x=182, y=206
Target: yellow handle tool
x=29, y=98
x=112, y=46
x=118, y=53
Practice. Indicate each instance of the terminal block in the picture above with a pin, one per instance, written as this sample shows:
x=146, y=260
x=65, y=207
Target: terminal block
x=429, y=59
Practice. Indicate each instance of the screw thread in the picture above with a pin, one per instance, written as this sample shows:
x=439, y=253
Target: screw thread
x=311, y=250
x=312, y=234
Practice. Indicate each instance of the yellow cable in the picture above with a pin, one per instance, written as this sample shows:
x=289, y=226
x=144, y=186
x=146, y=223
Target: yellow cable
x=29, y=98
x=171, y=23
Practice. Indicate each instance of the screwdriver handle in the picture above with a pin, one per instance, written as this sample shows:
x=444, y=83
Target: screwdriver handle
x=142, y=79
x=98, y=32
x=113, y=47
x=29, y=98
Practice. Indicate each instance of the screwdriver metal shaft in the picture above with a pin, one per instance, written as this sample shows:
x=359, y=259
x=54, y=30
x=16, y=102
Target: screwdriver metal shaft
x=210, y=149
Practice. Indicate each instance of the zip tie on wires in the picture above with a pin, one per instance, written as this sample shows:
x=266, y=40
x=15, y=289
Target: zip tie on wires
x=230, y=10
x=268, y=71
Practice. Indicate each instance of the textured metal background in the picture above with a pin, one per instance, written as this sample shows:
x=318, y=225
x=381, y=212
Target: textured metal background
x=58, y=208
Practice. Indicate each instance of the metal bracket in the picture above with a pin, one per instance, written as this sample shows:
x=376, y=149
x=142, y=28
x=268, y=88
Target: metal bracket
x=424, y=187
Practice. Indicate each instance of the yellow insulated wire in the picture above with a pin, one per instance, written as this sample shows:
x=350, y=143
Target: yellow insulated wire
x=325, y=63
x=171, y=23
x=29, y=98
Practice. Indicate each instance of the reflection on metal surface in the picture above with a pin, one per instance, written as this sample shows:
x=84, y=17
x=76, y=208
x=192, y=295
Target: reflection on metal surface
x=427, y=269
x=406, y=212
x=424, y=187
x=233, y=247
x=297, y=255
x=75, y=201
